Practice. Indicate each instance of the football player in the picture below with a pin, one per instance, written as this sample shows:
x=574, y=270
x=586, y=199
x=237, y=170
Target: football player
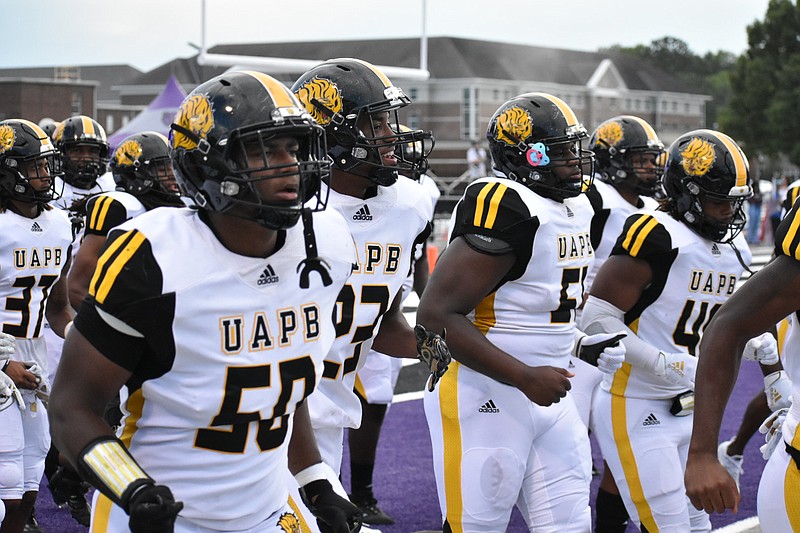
x=216, y=319
x=504, y=429
x=668, y=273
x=388, y=217
x=35, y=244
x=376, y=380
x=773, y=292
x=84, y=149
x=628, y=162
x=142, y=169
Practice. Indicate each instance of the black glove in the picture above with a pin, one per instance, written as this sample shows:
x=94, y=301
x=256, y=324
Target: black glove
x=153, y=509
x=334, y=513
x=433, y=351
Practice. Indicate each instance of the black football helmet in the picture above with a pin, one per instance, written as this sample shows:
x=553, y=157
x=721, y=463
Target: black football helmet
x=707, y=164
x=141, y=166
x=527, y=136
x=339, y=93
x=620, y=145
x=220, y=121
x=22, y=145
x=78, y=131
x=414, y=161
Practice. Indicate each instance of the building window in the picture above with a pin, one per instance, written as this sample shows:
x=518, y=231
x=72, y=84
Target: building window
x=674, y=107
x=413, y=92
x=109, y=123
x=468, y=111
x=77, y=103
x=686, y=108
x=496, y=94
x=413, y=121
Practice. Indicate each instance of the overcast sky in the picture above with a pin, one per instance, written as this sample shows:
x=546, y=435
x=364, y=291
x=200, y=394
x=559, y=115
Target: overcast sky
x=148, y=33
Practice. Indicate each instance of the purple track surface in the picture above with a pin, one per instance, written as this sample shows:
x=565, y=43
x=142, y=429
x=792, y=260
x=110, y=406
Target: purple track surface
x=404, y=483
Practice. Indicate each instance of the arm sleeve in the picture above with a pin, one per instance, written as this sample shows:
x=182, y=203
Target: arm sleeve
x=599, y=316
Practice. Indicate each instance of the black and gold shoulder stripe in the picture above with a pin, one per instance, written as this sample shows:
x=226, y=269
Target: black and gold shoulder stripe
x=102, y=214
x=112, y=261
x=642, y=235
x=787, y=238
x=487, y=204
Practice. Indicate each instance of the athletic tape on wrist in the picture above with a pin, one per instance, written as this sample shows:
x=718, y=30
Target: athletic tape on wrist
x=312, y=473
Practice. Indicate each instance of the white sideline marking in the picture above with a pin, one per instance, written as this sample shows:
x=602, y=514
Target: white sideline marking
x=748, y=525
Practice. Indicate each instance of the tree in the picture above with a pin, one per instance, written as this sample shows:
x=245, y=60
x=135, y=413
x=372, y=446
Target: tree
x=706, y=74
x=766, y=85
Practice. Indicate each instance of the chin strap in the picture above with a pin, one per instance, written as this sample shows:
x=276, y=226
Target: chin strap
x=312, y=262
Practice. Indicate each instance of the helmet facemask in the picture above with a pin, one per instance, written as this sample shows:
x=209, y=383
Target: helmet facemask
x=690, y=208
x=536, y=165
x=234, y=170
x=357, y=147
x=630, y=169
x=82, y=172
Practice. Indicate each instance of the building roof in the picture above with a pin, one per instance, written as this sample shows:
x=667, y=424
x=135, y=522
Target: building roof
x=106, y=76
x=450, y=57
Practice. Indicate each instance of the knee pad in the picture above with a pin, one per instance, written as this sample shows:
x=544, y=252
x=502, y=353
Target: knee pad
x=11, y=478
x=498, y=474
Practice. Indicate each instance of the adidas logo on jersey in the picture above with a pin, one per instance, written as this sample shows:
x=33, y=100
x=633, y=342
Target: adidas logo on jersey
x=36, y=228
x=268, y=276
x=715, y=249
x=363, y=213
x=489, y=407
x=651, y=420
x=570, y=214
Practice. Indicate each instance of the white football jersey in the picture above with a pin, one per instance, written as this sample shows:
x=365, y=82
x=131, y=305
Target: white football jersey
x=386, y=228
x=222, y=348
x=531, y=314
x=33, y=252
x=611, y=211
x=786, y=244
x=108, y=209
x=69, y=194
x=692, y=278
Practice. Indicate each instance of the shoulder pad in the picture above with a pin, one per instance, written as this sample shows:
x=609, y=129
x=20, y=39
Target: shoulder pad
x=787, y=239
x=642, y=236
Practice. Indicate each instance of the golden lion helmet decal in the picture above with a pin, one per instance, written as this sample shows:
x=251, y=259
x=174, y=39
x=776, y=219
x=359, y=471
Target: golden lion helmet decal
x=326, y=92
x=288, y=522
x=6, y=138
x=610, y=133
x=128, y=153
x=195, y=114
x=514, y=125
x=697, y=157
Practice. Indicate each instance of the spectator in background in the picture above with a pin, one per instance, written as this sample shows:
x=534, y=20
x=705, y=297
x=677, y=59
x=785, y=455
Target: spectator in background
x=476, y=160
x=754, y=214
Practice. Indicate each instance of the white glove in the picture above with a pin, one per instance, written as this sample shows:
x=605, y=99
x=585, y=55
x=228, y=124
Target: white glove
x=677, y=368
x=773, y=434
x=9, y=393
x=42, y=385
x=603, y=350
x=778, y=388
x=763, y=349
x=7, y=344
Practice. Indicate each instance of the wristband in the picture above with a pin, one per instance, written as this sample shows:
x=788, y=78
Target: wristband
x=109, y=466
x=314, y=472
x=5, y=365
